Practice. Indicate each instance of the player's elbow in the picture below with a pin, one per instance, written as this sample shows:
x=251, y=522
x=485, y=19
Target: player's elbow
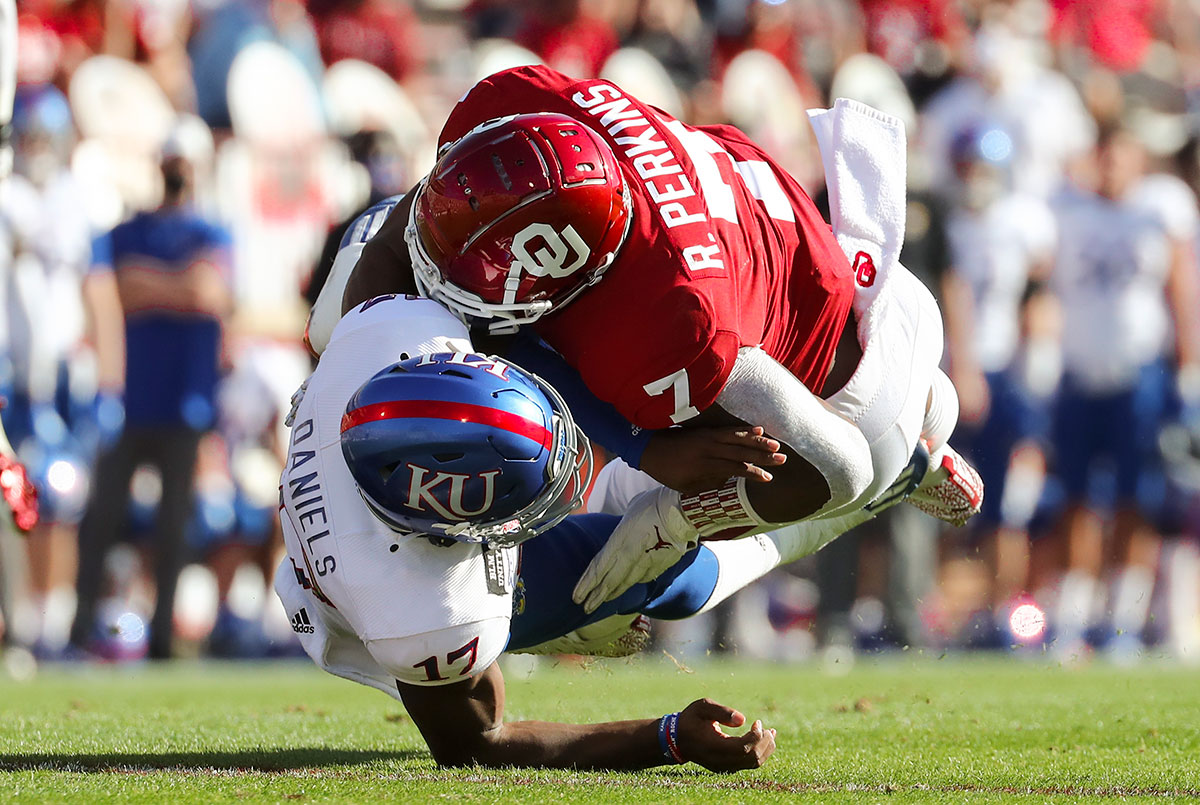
x=841, y=457
x=451, y=756
x=802, y=487
x=851, y=473
x=834, y=467
x=475, y=749
x=454, y=751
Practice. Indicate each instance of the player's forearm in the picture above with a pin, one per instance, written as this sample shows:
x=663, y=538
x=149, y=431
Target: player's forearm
x=1183, y=295
x=106, y=328
x=959, y=329
x=384, y=266
x=208, y=292
x=146, y=289
x=829, y=460
x=618, y=745
x=464, y=724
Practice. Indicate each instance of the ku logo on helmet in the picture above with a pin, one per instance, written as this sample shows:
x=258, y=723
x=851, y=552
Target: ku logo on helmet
x=471, y=360
x=551, y=251
x=421, y=492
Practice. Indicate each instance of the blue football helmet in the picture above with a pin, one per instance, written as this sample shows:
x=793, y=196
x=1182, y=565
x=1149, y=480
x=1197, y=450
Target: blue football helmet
x=465, y=447
x=990, y=144
x=42, y=131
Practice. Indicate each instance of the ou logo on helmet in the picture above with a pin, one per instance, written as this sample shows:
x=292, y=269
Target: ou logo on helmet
x=544, y=252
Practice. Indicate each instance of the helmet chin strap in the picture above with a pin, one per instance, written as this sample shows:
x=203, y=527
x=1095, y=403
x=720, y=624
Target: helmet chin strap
x=512, y=283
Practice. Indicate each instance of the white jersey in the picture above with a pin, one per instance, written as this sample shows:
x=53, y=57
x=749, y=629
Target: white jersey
x=993, y=251
x=1113, y=261
x=45, y=250
x=1042, y=111
x=369, y=604
x=1172, y=200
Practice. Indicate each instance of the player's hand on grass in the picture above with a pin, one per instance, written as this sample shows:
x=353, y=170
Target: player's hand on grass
x=701, y=739
x=695, y=459
x=651, y=537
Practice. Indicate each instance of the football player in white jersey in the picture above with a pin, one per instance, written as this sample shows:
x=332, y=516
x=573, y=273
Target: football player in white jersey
x=17, y=492
x=404, y=499
x=404, y=449
x=1000, y=318
x=45, y=250
x=1126, y=277
x=423, y=504
x=8, y=80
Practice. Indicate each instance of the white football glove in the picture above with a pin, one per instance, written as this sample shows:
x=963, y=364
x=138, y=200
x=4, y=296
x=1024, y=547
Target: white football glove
x=650, y=538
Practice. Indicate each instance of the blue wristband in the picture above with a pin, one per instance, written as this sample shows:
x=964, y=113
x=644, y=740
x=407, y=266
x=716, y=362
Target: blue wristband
x=668, y=738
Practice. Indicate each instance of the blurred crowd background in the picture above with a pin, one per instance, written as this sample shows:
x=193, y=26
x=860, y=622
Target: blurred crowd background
x=1054, y=161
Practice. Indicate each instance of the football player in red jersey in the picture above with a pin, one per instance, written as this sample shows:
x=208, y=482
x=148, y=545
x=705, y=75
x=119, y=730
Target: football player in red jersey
x=684, y=275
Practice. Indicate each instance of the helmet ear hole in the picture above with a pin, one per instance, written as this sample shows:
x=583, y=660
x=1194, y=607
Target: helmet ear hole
x=446, y=458
x=388, y=470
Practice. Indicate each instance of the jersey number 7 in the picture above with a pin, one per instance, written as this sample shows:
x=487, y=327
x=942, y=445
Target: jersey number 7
x=677, y=382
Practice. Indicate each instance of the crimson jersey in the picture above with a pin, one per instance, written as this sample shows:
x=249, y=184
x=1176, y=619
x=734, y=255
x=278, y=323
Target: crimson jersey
x=725, y=251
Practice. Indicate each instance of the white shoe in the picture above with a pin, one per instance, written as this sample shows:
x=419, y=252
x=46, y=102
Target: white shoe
x=615, y=636
x=953, y=492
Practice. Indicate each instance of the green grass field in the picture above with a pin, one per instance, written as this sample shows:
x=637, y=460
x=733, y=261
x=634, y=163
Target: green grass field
x=903, y=730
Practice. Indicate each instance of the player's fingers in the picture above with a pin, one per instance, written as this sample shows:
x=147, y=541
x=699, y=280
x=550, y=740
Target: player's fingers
x=612, y=569
x=623, y=576
x=709, y=710
x=752, y=439
x=757, y=744
x=605, y=591
x=720, y=471
x=753, y=472
x=597, y=594
x=764, y=748
x=749, y=455
x=587, y=582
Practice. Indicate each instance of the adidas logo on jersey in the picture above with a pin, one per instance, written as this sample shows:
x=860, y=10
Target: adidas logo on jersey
x=301, y=623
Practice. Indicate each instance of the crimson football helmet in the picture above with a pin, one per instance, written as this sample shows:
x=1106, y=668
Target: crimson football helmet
x=517, y=218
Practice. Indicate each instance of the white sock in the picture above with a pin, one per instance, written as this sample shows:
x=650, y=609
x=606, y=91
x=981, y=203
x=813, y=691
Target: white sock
x=1075, y=597
x=1131, y=599
x=1182, y=571
x=801, y=539
x=741, y=562
x=59, y=614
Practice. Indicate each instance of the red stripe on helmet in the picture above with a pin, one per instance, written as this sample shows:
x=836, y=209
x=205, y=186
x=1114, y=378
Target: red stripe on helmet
x=437, y=409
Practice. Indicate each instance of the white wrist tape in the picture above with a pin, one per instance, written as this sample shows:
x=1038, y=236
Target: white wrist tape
x=721, y=509
x=327, y=311
x=762, y=392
